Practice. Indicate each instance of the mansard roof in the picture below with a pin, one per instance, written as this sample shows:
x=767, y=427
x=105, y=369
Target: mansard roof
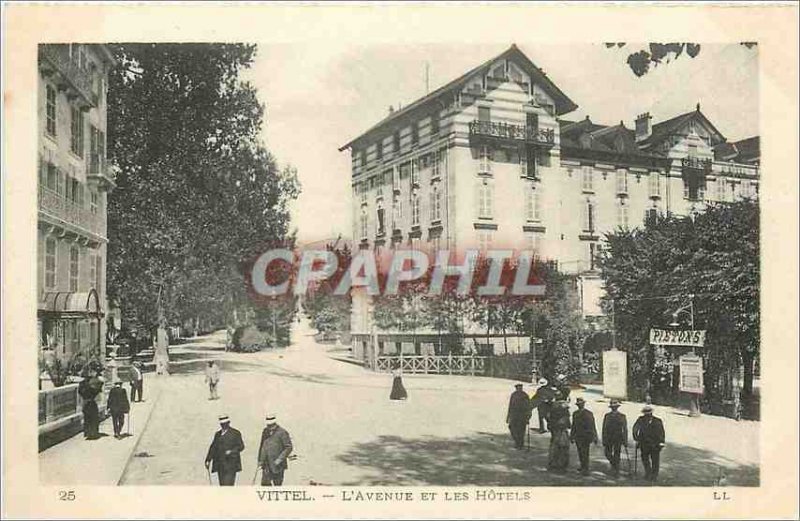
x=563, y=104
x=744, y=151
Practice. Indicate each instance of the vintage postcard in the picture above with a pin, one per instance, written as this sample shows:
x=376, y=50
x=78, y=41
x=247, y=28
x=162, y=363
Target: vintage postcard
x=399, y=261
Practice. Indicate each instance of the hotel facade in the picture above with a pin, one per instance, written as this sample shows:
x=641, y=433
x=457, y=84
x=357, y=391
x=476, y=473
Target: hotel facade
x=74, y=183
x=492, y=160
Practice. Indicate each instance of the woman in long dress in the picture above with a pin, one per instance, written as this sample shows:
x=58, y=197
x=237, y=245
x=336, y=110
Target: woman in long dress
x=398, y=390
x=558, y=456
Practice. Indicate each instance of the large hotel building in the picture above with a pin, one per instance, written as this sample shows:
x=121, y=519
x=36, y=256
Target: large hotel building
x=74, y=182
x=492, y=159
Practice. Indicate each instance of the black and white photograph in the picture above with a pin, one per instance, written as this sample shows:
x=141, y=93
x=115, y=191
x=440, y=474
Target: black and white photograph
x=352, y=273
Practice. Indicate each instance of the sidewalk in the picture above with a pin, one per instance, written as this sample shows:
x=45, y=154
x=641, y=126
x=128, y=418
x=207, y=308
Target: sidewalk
x=77, y=461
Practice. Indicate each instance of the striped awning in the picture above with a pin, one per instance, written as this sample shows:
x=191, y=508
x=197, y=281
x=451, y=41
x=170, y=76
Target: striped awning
x=68, y=303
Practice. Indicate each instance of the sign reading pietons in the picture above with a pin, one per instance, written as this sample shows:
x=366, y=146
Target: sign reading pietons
x=678, y=338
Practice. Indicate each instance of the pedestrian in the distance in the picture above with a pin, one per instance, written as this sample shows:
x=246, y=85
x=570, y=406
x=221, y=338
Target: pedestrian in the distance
x=223, y=454
x=543, y=402
x=212, y=379
x=88, y=390
x=519, y=415
x=648, y=432
x=583, y=433
x=558, y=457
x=562, y=388
x=118, y=407
x=615, y=435
x=273, y=453
x=398, y=389
x=137, y=382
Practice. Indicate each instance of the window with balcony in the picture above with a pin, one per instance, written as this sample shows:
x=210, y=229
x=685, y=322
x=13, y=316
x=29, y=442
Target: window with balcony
x=74, y=265
x=532, y=123
x=589, y=216
x=485, y=196
x=484, y=114
x=50, y=258
x=485, y=160
x=436, y=204
x=50, y=110
x=97, y=150
x=588, y=179
x=622, y=182
x=76, y=132
x=622, y=214
x=654, y=184
x=694, y=187
x=415, y=211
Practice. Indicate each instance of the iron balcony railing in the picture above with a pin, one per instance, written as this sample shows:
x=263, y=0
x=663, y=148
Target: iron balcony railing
x=58, y=56
x=543, y=136
x=695, y=163
x=58, y=206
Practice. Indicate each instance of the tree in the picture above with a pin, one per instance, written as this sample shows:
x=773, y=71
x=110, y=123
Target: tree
x=710, y=260
x=197, y=193
x=655, y=54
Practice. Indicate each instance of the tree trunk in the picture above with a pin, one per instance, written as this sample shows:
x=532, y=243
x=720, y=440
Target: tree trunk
x=747, y=361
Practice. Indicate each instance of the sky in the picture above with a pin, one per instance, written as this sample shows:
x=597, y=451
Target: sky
x=320, y=96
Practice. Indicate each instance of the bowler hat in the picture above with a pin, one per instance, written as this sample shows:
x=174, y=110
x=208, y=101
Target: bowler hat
x=518, y=386
x=579, y=400
x=647, y=408
x=614, y=403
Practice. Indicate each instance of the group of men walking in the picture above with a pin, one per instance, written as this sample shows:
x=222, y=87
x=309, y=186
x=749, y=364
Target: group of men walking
x=224, y=453
x=117, y=404
x=552, y=403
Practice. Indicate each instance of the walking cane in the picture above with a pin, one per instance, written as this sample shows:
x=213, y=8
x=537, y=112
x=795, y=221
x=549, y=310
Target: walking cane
x=255, y=475
x=208, y=473
x=628, y=459
x=635, y=456
x=528, y=428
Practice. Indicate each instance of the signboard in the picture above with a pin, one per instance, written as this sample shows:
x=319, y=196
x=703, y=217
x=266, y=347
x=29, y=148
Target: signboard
x=691, y=367
x=667, y=337
x=615, y=374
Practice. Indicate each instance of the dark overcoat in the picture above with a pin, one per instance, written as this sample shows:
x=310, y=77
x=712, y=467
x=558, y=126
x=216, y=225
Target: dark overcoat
x=275, y=446
x=583, y=427
x=519, y=407
x=648, y=431
x=615, y=428
x=230, y=441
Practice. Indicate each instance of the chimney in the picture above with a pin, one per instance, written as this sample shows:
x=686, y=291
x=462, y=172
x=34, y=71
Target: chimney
x=643, y=127
x=391, y=109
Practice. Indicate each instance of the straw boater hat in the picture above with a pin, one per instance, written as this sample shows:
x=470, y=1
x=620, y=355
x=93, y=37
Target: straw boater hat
x=579, y=400
x=647, y=408
x=271, y=418
x=542, y=381
x=223, y=418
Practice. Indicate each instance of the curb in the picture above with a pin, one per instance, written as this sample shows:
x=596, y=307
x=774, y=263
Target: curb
x=136, y=443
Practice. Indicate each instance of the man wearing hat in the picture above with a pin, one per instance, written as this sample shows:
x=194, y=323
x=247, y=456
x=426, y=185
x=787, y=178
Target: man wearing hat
x=615, y=435
x=543, y=402
x=273, y=453
x=518, y=416
x=583, y=433
x=118, y=407
x=223, y=454
x=648, y=432
x=137, y=382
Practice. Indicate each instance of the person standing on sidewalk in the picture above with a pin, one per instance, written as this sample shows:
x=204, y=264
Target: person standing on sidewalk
x=518, y=415
x=583, y=433
x=615, y=435
x=558, y=457
x=543, y=402
x=88, y=390
x=648, y=432
x=223, y=454
x=212, y=379
x=118, y=406
x=273, y=453
x=137, y=382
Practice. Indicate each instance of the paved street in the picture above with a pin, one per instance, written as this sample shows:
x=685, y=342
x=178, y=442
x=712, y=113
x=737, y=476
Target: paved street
x=345, y=430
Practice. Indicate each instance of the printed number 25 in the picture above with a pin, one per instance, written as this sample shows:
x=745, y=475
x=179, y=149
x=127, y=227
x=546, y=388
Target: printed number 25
x=66, y=495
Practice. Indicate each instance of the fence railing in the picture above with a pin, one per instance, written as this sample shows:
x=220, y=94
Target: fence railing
x=432, y=364
x=56, y=404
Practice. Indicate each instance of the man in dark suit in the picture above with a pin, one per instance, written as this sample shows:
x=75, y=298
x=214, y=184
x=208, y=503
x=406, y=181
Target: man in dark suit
x=223, y=454
x=543, y=402
x=273, y=453
x=583, y=433
x=137, y=382
x=118, y=407
x=648, y=432
x=615, y=435
x=518, y=416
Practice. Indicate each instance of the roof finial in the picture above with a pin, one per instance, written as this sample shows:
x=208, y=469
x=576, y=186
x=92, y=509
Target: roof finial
x=587, y=117
x=698, y=106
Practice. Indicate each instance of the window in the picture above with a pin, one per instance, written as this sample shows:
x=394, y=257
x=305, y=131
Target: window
x=398, y=213
x=588, y=181
x=654, y=183
x=485, y=160
x=362, y=190
x=415, y=211
x=589, y=216
x=364, y=225
x=414, y=166
x=436, y=163
x=593, y=251
x=93, y=201
x=485, y=200
x=484, y=114
x=50, y=110
x=532, y=202
x=622, y=182
x=532, y=123
x=92, y=270
x=435, y=123
x=414, y=133
x=396, y=141
x=362, y=157
x=650, y=215
x=76, y=136
x=484, y=240
x=73, y=268
x=436, y=204
x=622, y=214
x=746, y=188
x=98, y=272
x=379, y=149
x=694, y=188
x=381, y=217
x=50, y=263
x=533, y=242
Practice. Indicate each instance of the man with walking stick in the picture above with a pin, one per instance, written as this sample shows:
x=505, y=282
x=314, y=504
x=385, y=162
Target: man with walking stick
x=583, y=433
x=273, y=453
x=223, y=454
x=648, y=431
x=615, y=435
x=518, y=415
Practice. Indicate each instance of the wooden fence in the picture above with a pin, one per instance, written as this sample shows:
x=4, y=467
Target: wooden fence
x=511, y=366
